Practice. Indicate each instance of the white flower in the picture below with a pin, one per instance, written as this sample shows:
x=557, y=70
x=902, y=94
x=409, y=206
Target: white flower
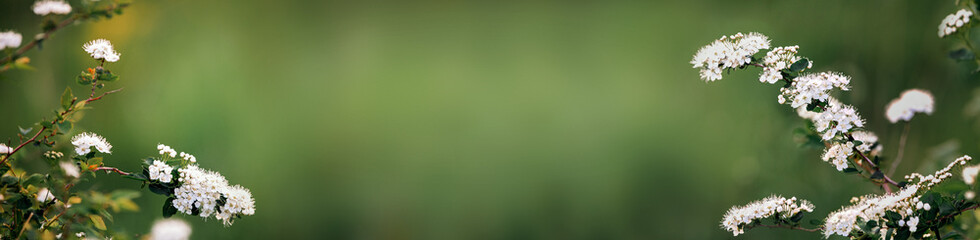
x=970, y=174
x=188, y=157
x=969, y=195
x=868, y=140
x=871, y=208
x=85, y=141
x=44, y=195
x=9, y=39
x=101, y=49
x=954, y=21
x=170, y=229
x=199, y=189
x=939, y=176
x=728, y=52
x=737, y=217
x=4, y=149
x=838, y=154
x=70, y=169
x=45, y=7
x=809, y=87
x=837, y=118
x=166, y=150
x=160, y=171
x=912, y=101
x=913, y=223
x=776, y=60
x=238, y=202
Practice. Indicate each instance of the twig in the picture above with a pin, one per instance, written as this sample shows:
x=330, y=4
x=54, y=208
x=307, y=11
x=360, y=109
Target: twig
x=62, y=115
x=901, y=148
x=108, y=169
x=46, y=34
x=24, y=226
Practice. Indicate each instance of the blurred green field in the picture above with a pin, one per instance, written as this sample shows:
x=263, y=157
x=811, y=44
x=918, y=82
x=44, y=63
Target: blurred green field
x=488, y=120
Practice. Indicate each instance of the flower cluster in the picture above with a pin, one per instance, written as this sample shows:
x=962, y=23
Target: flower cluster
x=776, y=61
x=53, y=154
x=728, y=52
x=9, y=39
x=166, y=150
x=160, y=171
x=101, y=49
x=737, y=217
x=170, y=229
x=954, y=21
x=85, y=141
x=912, y=101
x=838, y=154
x=938, y=176
x=837, y=118
x=44, y=195
x=869, y=142
x=45, y=7
x=809, y=87
x=872, y=208
x=198, y=191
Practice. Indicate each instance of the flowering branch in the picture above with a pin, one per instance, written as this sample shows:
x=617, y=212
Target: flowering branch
x=61, y=115
x=41, y=37
x=790, y=227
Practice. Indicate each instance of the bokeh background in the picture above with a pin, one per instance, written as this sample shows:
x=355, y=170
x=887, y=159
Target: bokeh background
x=490, y=120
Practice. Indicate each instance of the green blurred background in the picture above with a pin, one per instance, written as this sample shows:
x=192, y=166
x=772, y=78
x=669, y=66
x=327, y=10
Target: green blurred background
x=489, y=120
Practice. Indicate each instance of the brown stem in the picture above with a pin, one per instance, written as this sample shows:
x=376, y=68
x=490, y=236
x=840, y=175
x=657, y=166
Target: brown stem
x=46, y=34
x=112, y=169
x=24, y=226
x=61, y=115
x=901, y=148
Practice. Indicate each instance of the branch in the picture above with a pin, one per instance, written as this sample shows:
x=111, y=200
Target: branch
x=112, y=169
x=901, y=148
x=43, y=128
x=74, y=17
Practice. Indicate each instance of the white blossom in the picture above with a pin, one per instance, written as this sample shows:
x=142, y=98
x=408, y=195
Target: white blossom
x=4, y=149
x=10, y=39
x=728, y=52
x=45, y=7
x=170, y=229
x=837, y=118
x=809, y=87
x=868, y=140
x=44, y=195
x=85, y=141
x=238, y=201
x=188, y=157
x=70, y=169
x=912, y=223
x=199, y=189
x=970, y=174
x=912, y=101
x=778, y=59
x=166, y=150
x=160, y=171
x=838, y=154
x=940, y=175
x=737, y=217
x=101, y=49
x=954, y=21
x=871, y=208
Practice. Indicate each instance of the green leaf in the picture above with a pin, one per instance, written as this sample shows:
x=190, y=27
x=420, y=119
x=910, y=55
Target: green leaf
x=961, y=54
x=34, y=179
x=850, y=170
x=64, y=127
x=877, y=175
x=94, y=161
x=800, y=65
x=66, y=98
x=161, y=189
x=168, y=208
x=97, y=222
